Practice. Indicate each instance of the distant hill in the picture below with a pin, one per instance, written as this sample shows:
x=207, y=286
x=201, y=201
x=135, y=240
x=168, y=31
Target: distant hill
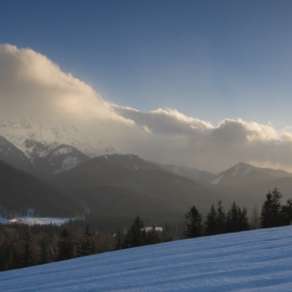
x=191, y=173
x=247, y=184
x=20, y=191
x=10, y=154
x=245, y=173
x=124, y=186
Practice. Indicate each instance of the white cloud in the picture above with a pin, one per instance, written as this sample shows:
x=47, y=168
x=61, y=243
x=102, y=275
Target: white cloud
x=35, y=92
x=194, y=142
x=38, y=99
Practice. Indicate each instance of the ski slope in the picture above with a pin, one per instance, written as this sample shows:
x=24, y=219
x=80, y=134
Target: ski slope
x=259, y=260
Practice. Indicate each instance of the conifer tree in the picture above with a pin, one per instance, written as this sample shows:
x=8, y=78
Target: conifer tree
x=236, y=219
x=211, y=221
x=29, y=250
x=244, y=224
x=193, y=223
x=118, y=240
x=136, y=234
x=66, y=246
x=152, y=236
x=286, y=213
x=87, y=245
x=45, y=253
x=221, y=218
x=271, y=214
x=255, y=218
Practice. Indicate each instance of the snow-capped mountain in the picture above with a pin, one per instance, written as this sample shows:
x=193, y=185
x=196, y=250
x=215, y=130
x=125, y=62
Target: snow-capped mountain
x=247, y=184
x=53, y=158
x=49, y=147
x=40, y=158
x=25, y=134
x=243, y=172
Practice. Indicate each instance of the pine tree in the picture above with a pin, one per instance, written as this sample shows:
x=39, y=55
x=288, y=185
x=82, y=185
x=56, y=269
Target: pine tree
x=29, y=250
x=236, y=219
x=119, y=240
x=136, y=234
x=286, y=213
x=66, y=246
x=87, y=245
x=244, y=224
x=45, y=253
x=211, y=221
x=221, y=218
x=152, y=236
x=255, y=218
x=271, y=214
x=166, y=234
x=193, y=223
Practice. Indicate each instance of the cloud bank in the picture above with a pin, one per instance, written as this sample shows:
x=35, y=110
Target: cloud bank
x=39, y=100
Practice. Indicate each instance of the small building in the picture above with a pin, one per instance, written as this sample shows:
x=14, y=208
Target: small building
x=158, y=229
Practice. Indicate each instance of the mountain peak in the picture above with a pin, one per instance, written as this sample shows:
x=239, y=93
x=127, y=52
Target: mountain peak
x=240, y=169
x=247, y=172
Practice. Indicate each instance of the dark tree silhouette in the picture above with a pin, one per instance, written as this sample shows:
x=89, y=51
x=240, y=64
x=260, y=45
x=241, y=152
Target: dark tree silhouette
x=136, y=234
x=66, y=246
x=211, y=221
x=221, y=218
x=271, y=214
x=236, y=219
x=193, y=223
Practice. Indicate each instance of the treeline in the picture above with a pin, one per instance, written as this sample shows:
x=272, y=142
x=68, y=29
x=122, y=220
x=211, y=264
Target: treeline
x=138, y=235
x=22, y=245
x=217, y=221
x=274, y=213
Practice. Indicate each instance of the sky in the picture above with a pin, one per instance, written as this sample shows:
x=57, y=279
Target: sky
x=204, y=84
x=208, y=59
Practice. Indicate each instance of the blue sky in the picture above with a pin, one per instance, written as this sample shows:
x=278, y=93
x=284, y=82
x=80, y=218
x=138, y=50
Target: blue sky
x=209, y=59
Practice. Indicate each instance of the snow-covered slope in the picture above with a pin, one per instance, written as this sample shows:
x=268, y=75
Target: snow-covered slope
x=258, y=260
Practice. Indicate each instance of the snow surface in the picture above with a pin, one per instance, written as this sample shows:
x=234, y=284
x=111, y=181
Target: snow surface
x=40, y=220
x=259, y=260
